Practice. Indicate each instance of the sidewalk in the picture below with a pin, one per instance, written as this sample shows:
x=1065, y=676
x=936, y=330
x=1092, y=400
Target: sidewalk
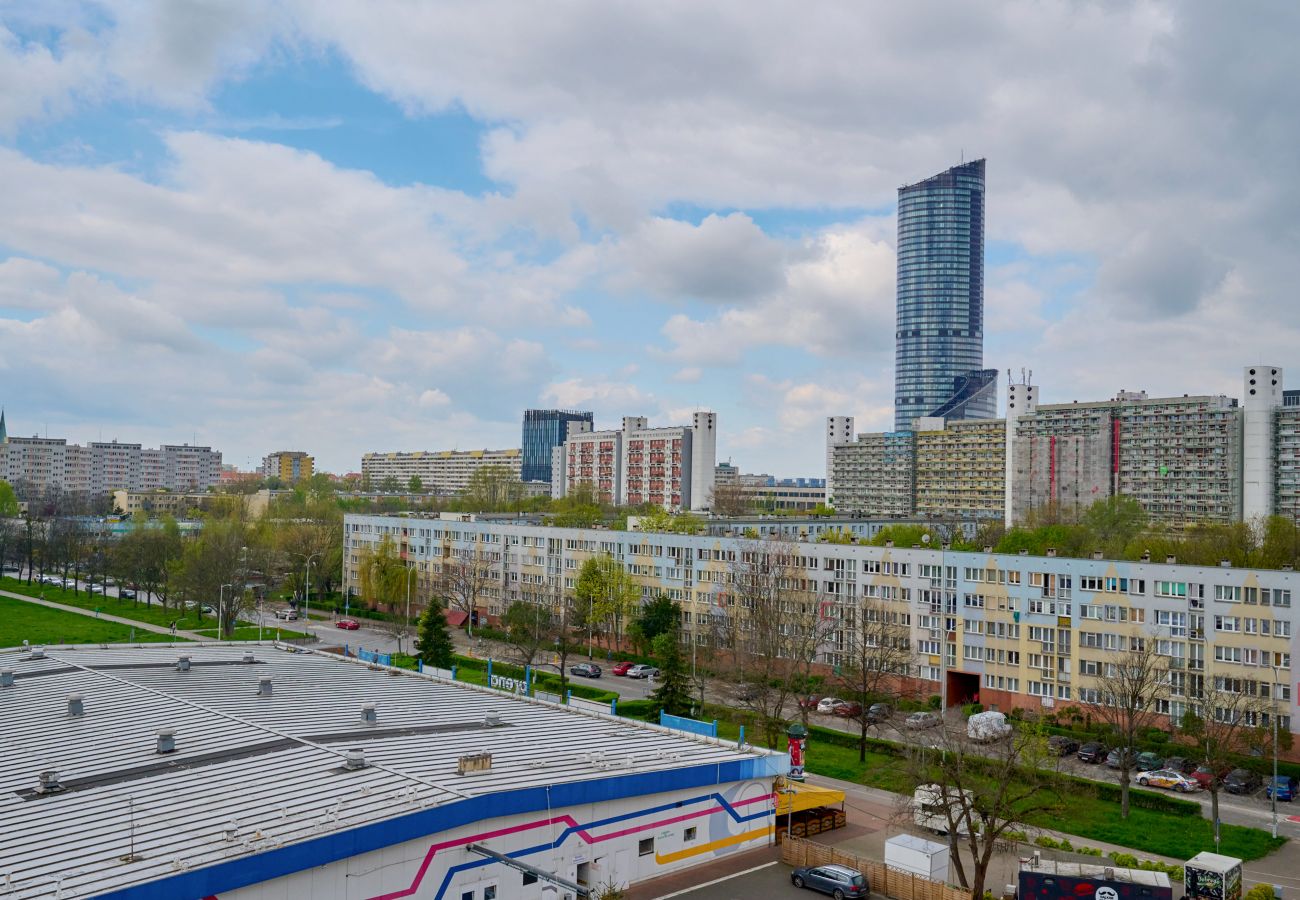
x=105, y=617
x=732, y=864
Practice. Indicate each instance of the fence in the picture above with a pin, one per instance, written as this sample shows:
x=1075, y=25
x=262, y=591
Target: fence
x=374, y=656
x=590, y=705
x=891, y=882
x=694, y=726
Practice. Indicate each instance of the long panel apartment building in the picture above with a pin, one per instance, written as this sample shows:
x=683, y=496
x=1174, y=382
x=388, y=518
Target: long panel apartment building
x=37, y=465
x=1012, y=630
x=445, y=472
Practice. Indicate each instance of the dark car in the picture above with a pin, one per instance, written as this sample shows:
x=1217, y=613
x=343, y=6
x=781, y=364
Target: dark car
x=1284, y=785
x=1062, y=745
x=586, y=670
x=1241, y=781
x=838, y=881
x=879, y=712
x=1092, y=752
x=1179, y=764
x=1115, y=758
x=1148, y=762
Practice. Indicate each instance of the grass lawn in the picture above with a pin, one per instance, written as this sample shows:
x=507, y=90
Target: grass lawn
x=1082, y=814
x=20, y=621
x=153, y=613
x=249, y=633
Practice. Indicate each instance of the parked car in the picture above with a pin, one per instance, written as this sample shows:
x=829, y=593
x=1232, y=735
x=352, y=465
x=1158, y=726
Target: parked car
x=1285, y=785
x=1115, y=758
x=1092, y=752
x=1179, y=764
x=809, y=702
x=1147, y=762
x=838, y=881
x=1170, y=779
x=641, y=670
x=347, y=624
x=919, y=720
x=828, y=704
x=746, y=692
x=621, y=669
x=879, y=712
x=12, y=571
x=1204, y=775
x=586, y=670
x=1241, y=781
x=95, y=588
x=287, y=615
x=126, y=593
x=1062, y=745
x=848, y=709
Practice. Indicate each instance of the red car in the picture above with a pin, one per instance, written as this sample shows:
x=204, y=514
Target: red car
x=621, y=668
x=347, y=624
x=809, y=702
x=849, y=709
x=1203, y=775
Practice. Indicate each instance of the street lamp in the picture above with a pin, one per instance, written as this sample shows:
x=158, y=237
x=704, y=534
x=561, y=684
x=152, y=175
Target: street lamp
x=306, y=594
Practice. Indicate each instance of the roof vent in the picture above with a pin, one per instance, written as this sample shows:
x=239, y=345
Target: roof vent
x=368, y=714
x=1096, y=554
x=248, y=657
x=263, y=687
x=988, y=549
x=1171, y=560
x=889, y=543
x=6, y=677
x=354, y=760
x=1225, y=564
x=492, y=720
x=166, y=740
x=75, y=706
x=1108, y=873
x=1051, y=551
x=37, y=653
x=183, y=664
x=1146, y=556
x=48, y=782
x=474, y=762
x=1024, y=552
x=1287, y=567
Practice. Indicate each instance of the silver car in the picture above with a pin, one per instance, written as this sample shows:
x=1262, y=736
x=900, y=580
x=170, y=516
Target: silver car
x=919, y=720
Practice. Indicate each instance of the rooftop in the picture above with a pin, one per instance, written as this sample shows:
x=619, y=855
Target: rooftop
x=253, y=773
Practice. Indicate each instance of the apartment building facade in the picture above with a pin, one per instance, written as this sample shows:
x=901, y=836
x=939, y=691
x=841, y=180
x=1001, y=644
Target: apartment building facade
x=1010, y=630
x=960, y=467
x=36, y=465
x=874, y=475
x=445, y=472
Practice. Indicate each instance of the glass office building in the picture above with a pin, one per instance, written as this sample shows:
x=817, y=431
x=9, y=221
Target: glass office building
x=939, y=351
x=545, y=429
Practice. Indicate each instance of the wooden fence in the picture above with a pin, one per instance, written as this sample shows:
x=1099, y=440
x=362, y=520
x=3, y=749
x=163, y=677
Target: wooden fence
x=893, y=883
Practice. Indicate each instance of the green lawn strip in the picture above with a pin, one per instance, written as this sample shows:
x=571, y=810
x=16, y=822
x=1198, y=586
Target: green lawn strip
x=21, y=621
x=1176, y=828
x=153, y=613
x=250, y=633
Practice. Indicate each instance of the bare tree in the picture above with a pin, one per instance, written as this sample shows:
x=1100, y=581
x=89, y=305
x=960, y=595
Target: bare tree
x=730, y=500
x=467, y=578
x=877, y=659
x=1127, y=690
x=981, y=791
x=767, y=625
x=1224, y=725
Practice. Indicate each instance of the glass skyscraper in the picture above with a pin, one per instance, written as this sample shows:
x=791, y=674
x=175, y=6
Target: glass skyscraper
x=939, y=350
x=545, y=429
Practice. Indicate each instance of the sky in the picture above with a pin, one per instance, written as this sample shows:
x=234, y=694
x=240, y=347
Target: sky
x=394, y=225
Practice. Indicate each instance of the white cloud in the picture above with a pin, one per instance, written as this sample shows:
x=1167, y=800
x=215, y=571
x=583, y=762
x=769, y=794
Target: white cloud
x=434, y=398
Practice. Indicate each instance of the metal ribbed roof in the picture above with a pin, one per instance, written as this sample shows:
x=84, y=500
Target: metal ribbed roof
x=253, y=772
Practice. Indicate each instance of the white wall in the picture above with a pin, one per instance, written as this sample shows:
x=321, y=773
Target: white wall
x=1261, y=393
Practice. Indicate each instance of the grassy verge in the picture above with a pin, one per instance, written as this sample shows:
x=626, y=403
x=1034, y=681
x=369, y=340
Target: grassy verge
x=153, y=613
x=1157, y=823
x=20, y=621
x=250, y=633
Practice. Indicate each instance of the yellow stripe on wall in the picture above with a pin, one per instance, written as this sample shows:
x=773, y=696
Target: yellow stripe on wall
x=731, y=841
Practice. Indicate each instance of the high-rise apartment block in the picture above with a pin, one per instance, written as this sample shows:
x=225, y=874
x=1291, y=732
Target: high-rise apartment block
x=1186, y=460
x=37, y=465
x=672, y=466
x=939, y=354
x=290, y=466
x=444, y=472
x=544, y=430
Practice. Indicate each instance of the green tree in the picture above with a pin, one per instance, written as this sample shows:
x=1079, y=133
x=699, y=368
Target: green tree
x=528, y=628
x=390, y=485
x=8, y=500
x=673, y=695
x=606, y=596
x=436, y=648
x=383, y=576
x=657, y=617
x=492, y=488
x=1114, y=521
x=416, y=484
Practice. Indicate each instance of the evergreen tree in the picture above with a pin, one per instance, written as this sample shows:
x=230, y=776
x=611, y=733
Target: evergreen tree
x=673, y=695
x=435, y=637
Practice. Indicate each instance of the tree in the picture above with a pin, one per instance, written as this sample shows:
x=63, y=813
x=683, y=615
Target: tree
x=415, y=485
x=984, y=790
x=876, y=660
x=1114, y=521
x=1223, y=725
x=606, y=596
x=8, y=501
x=528, y=629
x=214, y=569
x=436, y=648
x=492, y=488
x=657, y=617
x=1128, y=689
x=466, y=578
x=673, y=695
x=730, y=500
x=382, y=575
x=390, y=485
x=768, y=628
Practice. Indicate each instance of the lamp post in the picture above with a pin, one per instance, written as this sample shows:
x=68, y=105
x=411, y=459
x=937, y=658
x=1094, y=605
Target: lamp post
x=221, y=607
x=306, y=595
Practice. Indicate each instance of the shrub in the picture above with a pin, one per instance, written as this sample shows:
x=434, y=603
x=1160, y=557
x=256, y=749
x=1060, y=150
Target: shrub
x=1259, y=892
x=1046, y=841
x=935, y=701
x=971, y=709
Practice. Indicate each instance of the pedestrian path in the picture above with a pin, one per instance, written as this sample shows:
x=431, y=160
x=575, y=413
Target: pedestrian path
x=105, y=617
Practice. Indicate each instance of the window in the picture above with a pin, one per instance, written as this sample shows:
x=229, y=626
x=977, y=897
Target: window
x=689, y=834
x=530, y=878
x=1171, y=589
x=645, y=847
x=490, y=892
x=466, y=895
x=1226, y=593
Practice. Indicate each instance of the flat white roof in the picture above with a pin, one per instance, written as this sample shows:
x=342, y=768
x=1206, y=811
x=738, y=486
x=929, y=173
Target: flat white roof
x=252, y=773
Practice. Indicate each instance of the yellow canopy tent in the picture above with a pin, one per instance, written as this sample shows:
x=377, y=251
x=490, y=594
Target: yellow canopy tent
x=804, y=796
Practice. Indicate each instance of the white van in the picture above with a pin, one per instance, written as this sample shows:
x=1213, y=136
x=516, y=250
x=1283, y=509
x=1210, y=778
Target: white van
x=930, y=809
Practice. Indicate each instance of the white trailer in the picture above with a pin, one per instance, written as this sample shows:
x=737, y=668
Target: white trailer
x=910, y=853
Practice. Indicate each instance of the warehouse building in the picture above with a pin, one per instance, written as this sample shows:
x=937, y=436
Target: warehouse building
x=201, y=771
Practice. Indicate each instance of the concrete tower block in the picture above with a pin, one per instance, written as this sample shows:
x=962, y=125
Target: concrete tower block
x=704, y=458
x=839, y=430
x=1022, y=399
x=1261, y=395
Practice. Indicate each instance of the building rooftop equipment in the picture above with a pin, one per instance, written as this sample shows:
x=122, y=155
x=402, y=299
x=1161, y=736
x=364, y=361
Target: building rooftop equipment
x=172, y=780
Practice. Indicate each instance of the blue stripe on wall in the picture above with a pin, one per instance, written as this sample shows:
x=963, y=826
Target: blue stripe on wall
x=257, y=867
